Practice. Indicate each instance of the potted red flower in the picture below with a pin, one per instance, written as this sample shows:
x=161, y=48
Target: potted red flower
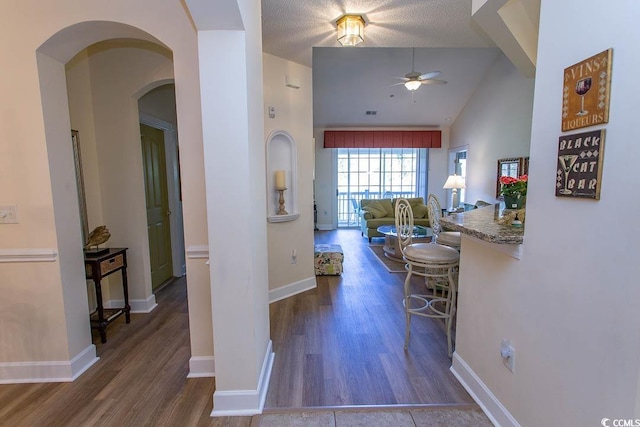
x=514, y=190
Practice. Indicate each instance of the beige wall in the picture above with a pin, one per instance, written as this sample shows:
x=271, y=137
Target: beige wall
x=294, y=116
x=32, y=289
x=569, y=305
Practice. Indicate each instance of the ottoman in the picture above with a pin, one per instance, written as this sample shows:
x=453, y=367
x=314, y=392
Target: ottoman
x=328, y=259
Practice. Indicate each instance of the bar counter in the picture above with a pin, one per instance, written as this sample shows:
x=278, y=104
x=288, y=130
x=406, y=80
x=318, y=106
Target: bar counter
x=482, y=223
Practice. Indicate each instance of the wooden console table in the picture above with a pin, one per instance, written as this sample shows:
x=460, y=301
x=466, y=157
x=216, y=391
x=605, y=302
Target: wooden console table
x=96, y=268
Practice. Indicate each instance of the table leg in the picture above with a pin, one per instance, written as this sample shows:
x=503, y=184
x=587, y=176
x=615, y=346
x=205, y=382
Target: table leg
x=102, y=328
x=125, y=288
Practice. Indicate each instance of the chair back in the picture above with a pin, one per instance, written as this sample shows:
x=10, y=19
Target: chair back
x=435, y=213
x=404, y=222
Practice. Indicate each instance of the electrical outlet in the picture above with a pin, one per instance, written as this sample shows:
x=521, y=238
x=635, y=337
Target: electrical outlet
x=8, y=214
x=508, y=353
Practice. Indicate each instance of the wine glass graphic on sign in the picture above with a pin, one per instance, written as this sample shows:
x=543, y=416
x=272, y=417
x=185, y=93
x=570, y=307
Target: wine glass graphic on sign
x=582, y=87
x=567, y=161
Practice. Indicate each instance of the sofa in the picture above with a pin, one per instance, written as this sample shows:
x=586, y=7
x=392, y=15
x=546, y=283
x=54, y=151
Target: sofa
x=377, y=212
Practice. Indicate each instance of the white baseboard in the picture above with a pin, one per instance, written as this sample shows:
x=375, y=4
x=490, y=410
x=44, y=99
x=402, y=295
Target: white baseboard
x=49, y=371
x=202, y=367
x=292, y=289
x=324, y=227
x=138, y=306
x=245, y=402
x=497, y=413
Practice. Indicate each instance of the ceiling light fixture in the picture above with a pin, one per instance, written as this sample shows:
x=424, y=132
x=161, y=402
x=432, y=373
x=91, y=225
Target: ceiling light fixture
x=350, y=30
x=412, y=84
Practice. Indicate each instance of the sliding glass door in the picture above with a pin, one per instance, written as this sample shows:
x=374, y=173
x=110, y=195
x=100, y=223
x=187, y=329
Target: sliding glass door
x=373, y=173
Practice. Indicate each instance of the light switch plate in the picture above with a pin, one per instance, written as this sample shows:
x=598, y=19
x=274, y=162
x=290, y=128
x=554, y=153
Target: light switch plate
x=8, y=214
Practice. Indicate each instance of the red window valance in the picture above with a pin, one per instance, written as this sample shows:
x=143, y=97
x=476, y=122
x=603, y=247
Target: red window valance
x=382, y=139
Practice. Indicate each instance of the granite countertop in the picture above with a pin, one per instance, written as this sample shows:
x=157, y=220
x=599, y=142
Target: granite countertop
x=482, y=223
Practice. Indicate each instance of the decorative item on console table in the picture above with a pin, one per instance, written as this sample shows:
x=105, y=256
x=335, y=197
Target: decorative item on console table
x=514, y=191
x=98, y=236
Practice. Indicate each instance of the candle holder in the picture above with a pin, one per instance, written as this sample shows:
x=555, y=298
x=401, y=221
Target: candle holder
x=281, y=210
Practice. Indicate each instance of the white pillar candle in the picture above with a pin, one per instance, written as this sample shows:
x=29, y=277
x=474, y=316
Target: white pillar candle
x=281, y=183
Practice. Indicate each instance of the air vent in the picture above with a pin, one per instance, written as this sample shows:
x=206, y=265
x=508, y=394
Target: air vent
x=371, y=113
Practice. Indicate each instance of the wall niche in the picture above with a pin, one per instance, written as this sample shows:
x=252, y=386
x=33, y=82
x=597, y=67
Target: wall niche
x=282, y=172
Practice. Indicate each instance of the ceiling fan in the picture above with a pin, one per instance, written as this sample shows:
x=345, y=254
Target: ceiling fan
x=415, y=79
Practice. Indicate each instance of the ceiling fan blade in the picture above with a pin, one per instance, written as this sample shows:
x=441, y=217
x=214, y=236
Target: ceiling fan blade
x=433, y=82
x=401, y=78
x=396, y=84
x=430, y=75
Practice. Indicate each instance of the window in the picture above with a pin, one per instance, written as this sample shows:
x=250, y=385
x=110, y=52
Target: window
x=373, y=173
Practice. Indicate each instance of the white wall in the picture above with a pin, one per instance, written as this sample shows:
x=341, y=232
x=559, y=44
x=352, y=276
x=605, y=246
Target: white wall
x=570, y=304
x=234, y=155
x=495, y=123
x=294, y=116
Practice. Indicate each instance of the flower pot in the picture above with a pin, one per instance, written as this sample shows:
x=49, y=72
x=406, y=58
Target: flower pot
x=514, y=201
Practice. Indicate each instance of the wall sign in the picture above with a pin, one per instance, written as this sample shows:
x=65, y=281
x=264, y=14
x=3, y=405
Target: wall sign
x=580, y=159
x=585, y=97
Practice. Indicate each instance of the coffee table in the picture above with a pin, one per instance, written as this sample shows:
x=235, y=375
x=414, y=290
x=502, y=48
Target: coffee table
x=391, y=246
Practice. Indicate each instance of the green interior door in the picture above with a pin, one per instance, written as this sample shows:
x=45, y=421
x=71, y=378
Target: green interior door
x=158, y=226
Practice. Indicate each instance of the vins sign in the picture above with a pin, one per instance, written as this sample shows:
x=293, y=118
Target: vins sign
x=580, y=158
x=585, y=96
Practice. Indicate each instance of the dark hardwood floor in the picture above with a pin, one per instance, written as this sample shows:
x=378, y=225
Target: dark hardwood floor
x=140, y=379
x=339, y=344
x=343, y=342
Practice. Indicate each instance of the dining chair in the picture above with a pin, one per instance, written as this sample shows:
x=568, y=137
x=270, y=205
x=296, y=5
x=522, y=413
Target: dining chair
x=447, y=238
x=437, y=264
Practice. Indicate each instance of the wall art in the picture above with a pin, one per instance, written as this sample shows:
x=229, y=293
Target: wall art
x=579, y=170
x=585, y=97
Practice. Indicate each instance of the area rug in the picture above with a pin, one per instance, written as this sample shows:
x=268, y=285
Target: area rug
x=391, y=265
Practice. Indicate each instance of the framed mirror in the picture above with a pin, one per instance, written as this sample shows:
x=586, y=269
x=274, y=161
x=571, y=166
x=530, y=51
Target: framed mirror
x=512, y=166
x=82, y=203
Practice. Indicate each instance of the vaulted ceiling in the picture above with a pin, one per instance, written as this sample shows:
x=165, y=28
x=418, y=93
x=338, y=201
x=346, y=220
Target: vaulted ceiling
x=459, y=38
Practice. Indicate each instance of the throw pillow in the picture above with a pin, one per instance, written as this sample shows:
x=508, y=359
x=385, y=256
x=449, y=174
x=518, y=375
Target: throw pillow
x=414, y=201
x=420, y=211
x=388, y=207
x=376, y=209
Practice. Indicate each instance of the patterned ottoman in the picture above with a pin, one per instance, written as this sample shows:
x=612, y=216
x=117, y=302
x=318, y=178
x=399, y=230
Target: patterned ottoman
x=328, y=259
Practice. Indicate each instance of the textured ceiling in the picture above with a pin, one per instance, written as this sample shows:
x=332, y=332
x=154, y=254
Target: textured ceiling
x=290, y=28
x=348, y=81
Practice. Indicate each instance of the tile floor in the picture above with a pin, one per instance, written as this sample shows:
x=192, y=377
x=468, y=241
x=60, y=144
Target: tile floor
x=378, y=418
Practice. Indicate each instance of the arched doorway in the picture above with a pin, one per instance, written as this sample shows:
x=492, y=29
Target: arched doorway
x=100, y=69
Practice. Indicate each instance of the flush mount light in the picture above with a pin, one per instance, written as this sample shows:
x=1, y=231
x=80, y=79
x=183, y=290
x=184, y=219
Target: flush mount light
x=350, y=30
